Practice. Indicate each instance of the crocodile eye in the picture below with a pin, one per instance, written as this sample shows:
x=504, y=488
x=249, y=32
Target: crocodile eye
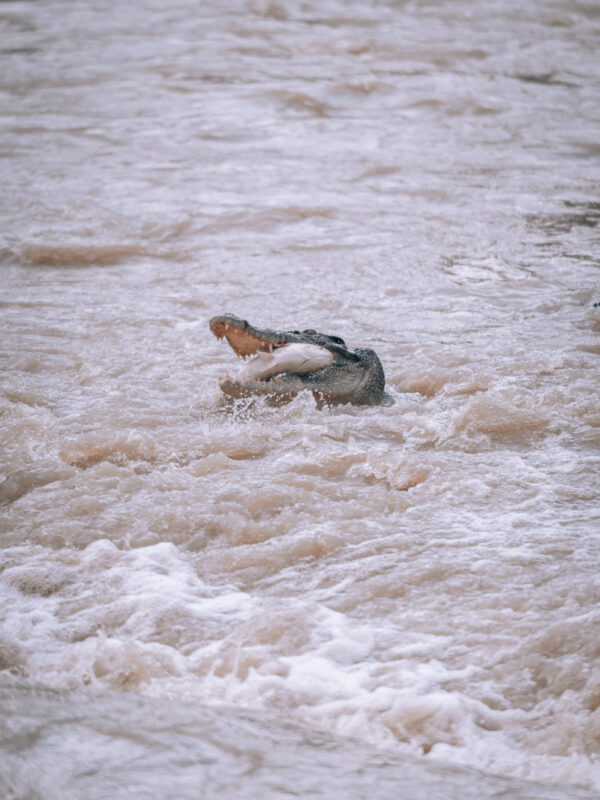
x=310, y=330
x=337, y=340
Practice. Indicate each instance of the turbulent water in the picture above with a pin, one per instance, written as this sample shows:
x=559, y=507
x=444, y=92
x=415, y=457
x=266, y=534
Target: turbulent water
x=204, y=599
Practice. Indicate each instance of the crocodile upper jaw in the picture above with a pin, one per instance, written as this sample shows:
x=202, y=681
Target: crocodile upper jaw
x=273, y=352
x=245, y=340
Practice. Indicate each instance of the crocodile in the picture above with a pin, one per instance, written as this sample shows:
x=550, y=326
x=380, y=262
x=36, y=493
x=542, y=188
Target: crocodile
x=284, y=363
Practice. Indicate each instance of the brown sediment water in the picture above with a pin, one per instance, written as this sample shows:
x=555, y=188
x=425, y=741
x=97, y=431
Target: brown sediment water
x=390, y=594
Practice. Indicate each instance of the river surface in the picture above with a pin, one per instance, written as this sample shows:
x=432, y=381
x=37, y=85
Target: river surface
x=201, y=599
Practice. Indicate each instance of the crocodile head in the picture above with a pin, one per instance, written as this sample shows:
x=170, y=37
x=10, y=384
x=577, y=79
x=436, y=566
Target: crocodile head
x=283, y=363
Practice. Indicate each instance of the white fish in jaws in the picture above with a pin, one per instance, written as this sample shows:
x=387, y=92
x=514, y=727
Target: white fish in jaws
x=295, y=357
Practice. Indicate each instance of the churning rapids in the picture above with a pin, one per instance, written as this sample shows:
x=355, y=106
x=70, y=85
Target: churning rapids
x=203, y=597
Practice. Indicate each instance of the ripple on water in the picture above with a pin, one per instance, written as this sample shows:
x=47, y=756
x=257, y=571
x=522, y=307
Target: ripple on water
x=420, y=577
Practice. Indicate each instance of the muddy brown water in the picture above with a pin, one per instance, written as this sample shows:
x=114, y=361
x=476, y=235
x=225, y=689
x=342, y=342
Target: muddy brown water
x=202, y=599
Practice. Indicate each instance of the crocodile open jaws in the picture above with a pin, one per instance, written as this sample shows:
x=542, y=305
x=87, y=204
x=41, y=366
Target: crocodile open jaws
x=284, y=363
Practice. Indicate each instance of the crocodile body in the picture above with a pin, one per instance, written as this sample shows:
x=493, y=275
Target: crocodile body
x=284, y=363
